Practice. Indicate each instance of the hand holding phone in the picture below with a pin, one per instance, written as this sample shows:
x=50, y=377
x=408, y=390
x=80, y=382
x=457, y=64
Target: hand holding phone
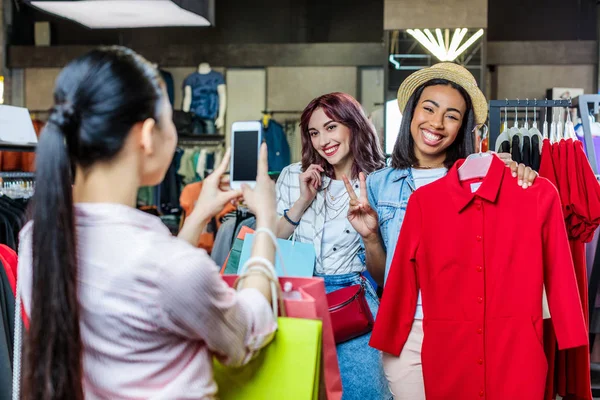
x=261, y=199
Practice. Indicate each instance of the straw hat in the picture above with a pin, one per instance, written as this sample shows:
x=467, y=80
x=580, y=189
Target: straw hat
x=453, y=73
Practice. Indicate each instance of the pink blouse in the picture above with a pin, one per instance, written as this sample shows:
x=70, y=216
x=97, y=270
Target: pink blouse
x=153, y=308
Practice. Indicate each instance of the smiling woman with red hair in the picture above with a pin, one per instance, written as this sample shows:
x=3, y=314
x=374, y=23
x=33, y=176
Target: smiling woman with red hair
x=337, y=141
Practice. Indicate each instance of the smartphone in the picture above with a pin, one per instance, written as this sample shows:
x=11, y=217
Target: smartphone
x=246, y=138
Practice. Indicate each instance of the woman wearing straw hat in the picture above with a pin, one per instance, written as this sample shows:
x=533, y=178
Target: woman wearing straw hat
x=442, y=107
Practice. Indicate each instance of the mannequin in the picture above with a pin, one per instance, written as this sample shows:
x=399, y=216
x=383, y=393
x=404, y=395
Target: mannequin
x=205, y=97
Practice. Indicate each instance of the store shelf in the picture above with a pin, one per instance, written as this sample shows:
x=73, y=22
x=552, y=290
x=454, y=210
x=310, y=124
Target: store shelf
x=4, y=146
x=201, y=138
x=17, y=175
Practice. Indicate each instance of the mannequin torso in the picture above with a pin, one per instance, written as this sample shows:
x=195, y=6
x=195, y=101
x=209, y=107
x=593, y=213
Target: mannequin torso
x=198, y=87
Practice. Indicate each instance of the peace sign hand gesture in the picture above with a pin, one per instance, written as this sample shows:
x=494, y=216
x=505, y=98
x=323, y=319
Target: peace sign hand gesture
x=360, y=214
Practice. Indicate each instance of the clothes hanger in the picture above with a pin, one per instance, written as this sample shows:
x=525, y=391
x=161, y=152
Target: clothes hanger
x=553, y=135
x=560, y=127
x=477, y=164
x=266, y=119
x=594, y=126
x=503, y=137
x=534, y=131
x=545, y=125
x=515, y=129
x=524, y=131
x=569, y=127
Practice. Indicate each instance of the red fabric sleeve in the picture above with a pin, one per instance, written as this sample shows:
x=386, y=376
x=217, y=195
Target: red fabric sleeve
x=559, y=274
x=397, y=309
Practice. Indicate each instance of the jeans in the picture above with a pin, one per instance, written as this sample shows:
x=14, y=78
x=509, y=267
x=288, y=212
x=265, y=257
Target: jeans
x=360, y=365
x=203, y=126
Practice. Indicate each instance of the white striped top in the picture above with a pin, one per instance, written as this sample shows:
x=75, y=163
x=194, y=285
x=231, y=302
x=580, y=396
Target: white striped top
x=341, y=256
x=153, y=308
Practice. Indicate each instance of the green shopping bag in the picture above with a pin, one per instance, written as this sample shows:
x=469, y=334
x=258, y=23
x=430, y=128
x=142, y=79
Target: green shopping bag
x=288, y=368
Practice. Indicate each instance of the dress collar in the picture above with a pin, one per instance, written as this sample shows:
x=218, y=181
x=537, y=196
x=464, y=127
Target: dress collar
x=489, y=189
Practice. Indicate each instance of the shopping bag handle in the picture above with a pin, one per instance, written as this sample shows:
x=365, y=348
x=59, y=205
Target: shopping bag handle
x=276, y=292
x=276, y=244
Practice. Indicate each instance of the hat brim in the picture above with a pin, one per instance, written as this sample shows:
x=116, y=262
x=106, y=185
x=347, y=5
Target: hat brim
x=416, y=79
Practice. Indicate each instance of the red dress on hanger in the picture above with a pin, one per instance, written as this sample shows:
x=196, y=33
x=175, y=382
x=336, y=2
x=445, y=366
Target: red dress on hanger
x=481, y=285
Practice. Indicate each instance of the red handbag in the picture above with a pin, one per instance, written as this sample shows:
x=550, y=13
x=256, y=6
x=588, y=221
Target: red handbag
x=350, y=314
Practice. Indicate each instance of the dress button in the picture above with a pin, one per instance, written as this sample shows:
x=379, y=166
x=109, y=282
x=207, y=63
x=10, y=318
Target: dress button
x=479, y=331
x=334, y=249
x=347, y=230
x=478, y=206
x=479, y=299
x=480, y=361
x=478, y=238
x=481, y=393
x=479, y=268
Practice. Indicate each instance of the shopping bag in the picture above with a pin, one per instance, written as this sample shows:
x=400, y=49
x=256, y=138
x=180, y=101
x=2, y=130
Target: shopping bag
x=233, y=259
x=306, y=298
x=288, y=368
x=299, y=258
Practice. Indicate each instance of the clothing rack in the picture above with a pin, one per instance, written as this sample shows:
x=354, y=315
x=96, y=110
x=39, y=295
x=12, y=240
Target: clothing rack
x=200, y=140
x=281, y=112
x=496, y=107
x=17, y=175
x=584, y=104
x=5, y=146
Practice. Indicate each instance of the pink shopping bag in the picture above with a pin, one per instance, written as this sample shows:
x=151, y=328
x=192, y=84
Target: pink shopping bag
x=306, y=299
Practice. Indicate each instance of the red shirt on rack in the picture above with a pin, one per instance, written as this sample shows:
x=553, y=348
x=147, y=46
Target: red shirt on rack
x=481, y=260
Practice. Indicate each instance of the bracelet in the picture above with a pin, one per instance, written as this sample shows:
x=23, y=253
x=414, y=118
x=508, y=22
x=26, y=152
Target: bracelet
x=258, y=261
x=288, y=218
x=269, y=274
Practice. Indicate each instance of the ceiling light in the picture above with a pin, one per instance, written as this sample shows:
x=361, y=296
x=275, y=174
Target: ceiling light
x=445, y=49
x=112, y=14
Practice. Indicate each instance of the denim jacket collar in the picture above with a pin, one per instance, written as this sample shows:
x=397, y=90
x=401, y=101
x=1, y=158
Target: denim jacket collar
x=406, y=173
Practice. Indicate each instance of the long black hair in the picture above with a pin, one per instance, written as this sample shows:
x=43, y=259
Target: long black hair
x=403, y=155
x=98, y=98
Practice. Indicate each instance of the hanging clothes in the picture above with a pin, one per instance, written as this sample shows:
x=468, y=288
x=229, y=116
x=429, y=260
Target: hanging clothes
x=277, y=145
x=481, y=286
x=12, y=219
x=170, y=187
x=565, y=164
x=535, y=152
x=526, y=152
x=188, y=199
x=515, y=149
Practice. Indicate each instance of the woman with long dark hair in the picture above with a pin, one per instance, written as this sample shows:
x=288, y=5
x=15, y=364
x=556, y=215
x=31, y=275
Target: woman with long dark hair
x=442, y=107
x=337, y=141
x=118, y=307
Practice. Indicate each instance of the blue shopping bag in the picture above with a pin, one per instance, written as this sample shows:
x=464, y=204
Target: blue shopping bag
x=298, y=258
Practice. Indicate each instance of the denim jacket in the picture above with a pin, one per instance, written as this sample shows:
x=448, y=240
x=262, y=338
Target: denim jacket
x=388, y=191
